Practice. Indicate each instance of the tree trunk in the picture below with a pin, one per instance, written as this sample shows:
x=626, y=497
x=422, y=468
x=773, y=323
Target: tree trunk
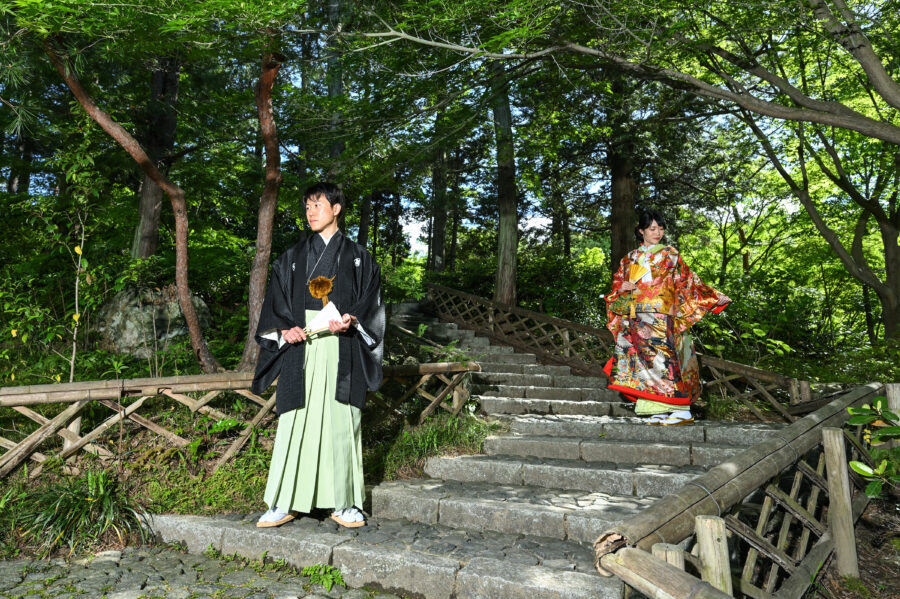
x=160, y=139
x=377, y=201
x=457, y=203
x=365, y=217
x=19, y=180
x=396, y=224
x=622, y=215
x=146, y=235
x=508, y=230
x=335, y=89
x=890, y=293
x=268, y=202
x=176, y=195
x=438, y=203
x=870, y=318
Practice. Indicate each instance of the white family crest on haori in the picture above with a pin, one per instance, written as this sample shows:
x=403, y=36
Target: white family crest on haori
x=356, y=262
x=293, y=264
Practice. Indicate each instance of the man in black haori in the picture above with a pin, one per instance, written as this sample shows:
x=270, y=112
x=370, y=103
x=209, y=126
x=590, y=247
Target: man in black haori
x=325, y=357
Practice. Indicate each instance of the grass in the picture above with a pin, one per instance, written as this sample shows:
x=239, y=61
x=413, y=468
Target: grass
x=72, y=512
x=444, y=434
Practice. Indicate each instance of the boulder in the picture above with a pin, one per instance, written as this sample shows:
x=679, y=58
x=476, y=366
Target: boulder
x=141, y=322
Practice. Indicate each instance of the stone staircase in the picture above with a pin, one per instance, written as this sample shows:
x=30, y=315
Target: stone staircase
x=515, y=523
x=574, y=462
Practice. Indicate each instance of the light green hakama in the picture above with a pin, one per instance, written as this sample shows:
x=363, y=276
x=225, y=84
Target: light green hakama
x=317, y=458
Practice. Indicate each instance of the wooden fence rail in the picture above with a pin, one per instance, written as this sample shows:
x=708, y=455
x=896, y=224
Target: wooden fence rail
x=586, y=349
x=439, y=383
x=773, y=498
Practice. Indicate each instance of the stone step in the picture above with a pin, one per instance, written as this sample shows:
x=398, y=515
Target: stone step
x=407, y=558
x=475, y=343
x=740, y=434
x=508, y=406
x=622, y=451
x=406, y=308
x=547, y=392
x=539, y=380
x=498, y=356
x=568, y=471
x=561, y=514
x=501, y=367
x=446, y=334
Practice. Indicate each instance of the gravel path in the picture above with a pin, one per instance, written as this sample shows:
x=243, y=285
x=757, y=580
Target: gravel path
x=162, y=573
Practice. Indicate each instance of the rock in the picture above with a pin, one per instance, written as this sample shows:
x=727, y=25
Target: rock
x=139, y=323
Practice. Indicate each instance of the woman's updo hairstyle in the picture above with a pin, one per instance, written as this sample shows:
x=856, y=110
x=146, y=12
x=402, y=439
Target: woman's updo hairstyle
x=646, y=219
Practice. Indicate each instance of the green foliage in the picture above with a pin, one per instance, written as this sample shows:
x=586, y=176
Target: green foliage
x=238, y=486
x=403, y=282
x=885, y=426
x=324, y=575
x=77, y=512
x=440, y=435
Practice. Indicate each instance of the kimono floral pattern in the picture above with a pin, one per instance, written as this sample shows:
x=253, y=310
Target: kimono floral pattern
x=654, y=354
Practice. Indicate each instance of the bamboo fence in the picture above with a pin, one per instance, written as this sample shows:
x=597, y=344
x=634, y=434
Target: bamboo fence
x=586, y=349
x=777, y=503
x=439, y=383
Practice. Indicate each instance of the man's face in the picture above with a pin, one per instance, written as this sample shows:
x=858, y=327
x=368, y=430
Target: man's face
x=321, y=215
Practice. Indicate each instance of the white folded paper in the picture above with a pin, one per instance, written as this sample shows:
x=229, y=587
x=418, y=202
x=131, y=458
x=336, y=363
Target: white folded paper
x=320, y=321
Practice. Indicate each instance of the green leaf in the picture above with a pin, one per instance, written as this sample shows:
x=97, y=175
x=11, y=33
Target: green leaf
x=888, y=432
x=861, y=468
x=873, y=489
x=862, y=419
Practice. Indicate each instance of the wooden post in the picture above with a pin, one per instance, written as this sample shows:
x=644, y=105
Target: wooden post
x=892, y=393
x=713, y=544
x=840, y=517
x=805, y=392
x=567, y=351
x=794, y=391
x=671, y=554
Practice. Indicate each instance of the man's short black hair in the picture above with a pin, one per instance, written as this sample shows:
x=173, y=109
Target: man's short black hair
x=330, y=191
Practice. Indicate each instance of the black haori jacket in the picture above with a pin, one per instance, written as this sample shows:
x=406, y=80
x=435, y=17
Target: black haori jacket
x=357, y=291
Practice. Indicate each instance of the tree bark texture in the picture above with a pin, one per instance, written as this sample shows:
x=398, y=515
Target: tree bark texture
x=176, y=195
x=438, y=201
x=160, y=139
x=623, y=179
x=268, y=202
x=365, y=219
x=335, y=88
x=19, y=180
x=457, y=202
x=508, y=229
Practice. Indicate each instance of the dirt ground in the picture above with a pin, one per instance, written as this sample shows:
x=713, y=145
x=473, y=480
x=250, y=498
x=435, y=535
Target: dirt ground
x=878, y=551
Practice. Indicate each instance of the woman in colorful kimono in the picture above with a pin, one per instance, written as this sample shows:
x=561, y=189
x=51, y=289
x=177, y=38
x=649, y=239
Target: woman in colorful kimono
x=654, y=301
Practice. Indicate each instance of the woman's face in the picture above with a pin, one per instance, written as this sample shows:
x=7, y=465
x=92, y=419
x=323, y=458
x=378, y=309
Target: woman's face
x=652, y=234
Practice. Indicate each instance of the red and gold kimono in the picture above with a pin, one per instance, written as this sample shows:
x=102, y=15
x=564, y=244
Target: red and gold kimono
x=654, y=355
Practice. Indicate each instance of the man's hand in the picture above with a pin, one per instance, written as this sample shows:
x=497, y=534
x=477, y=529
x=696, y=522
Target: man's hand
x=342, y=325
x=293, y=335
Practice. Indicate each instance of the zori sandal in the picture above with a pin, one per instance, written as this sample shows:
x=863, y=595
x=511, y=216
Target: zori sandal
x=275, y=517
x=349, y=517
x=680, y=418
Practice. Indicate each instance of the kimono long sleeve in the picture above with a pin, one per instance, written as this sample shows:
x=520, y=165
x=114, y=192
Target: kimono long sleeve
x=695, y=298
x=614, y=320
x=275, y=315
